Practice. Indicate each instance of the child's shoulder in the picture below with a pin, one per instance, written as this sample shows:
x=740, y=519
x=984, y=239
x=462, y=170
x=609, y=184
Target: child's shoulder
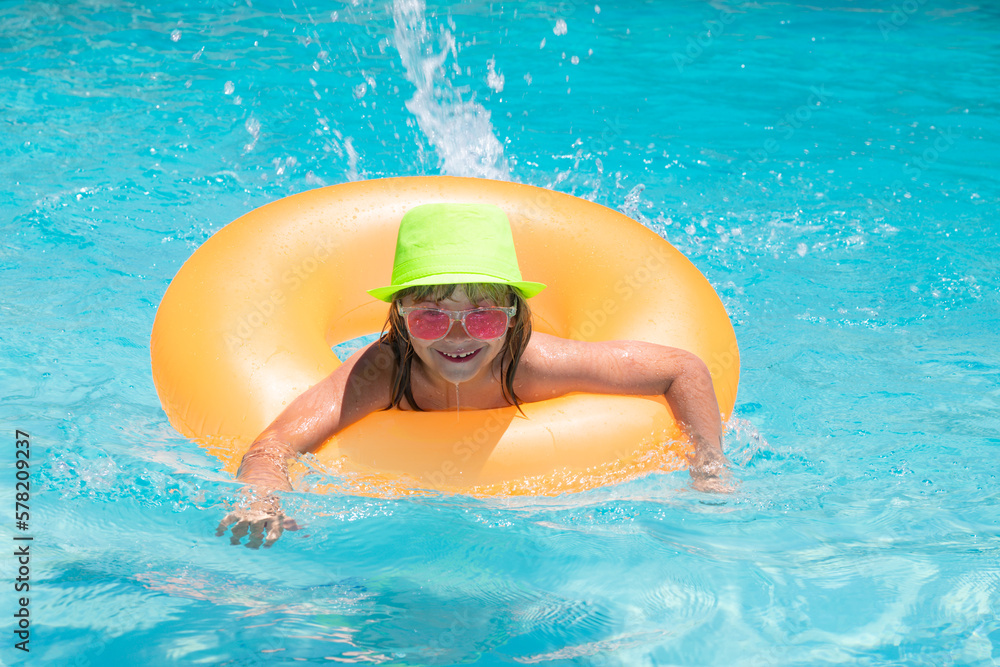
x=544, y=347
x=548, y=363
x=371, y=363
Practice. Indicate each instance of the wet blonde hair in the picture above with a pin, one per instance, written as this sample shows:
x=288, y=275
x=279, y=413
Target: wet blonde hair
x=395, y=335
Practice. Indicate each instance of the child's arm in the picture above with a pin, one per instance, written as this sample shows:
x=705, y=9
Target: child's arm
x=355, y=389
x=555, y=366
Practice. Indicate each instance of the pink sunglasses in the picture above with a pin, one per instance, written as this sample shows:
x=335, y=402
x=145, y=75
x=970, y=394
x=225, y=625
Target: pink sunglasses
x=434, y=323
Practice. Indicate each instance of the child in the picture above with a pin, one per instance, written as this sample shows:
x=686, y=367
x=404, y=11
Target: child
x=459, y=316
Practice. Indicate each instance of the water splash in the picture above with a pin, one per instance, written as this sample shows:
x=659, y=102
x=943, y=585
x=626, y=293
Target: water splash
x=633, y=200
x=459, y=130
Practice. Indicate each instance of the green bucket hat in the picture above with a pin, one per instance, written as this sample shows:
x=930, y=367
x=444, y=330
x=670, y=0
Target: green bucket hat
x=452, y=244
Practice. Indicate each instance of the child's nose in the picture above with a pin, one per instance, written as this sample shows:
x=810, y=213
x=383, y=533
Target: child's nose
x=457, y=331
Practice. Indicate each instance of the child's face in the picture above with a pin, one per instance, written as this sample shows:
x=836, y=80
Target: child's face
x=441, y=357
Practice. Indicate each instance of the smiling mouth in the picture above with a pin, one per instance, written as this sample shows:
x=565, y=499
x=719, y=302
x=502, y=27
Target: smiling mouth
x=459, y=358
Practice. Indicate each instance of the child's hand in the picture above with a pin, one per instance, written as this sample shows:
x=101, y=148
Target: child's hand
x=711, y=482
x=710, y=474
x=259, y=515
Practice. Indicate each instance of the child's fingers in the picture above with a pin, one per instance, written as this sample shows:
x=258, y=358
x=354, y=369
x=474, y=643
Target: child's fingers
x=226, y=522
x=274, y=529
x=264, y=525
x=239, y=531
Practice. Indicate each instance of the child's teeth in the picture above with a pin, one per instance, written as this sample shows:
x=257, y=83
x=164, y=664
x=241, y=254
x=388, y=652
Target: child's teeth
x=458, y=356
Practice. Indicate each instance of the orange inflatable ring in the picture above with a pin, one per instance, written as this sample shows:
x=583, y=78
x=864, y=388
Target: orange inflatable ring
x=249, y=321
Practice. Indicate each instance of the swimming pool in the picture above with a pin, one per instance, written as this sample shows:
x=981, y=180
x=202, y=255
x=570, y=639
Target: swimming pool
x=832, y=168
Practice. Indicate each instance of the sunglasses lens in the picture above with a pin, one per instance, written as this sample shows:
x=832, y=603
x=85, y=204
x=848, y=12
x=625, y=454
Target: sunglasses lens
x=486, y=324
x=427, y=324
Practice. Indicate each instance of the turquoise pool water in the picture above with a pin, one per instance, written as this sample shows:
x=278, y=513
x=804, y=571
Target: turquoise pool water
x=831, y=167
